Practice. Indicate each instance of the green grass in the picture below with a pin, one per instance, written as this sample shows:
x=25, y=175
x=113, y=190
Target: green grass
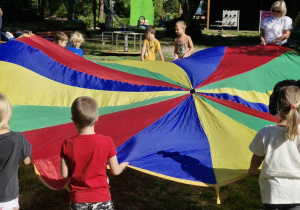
x=134, y=190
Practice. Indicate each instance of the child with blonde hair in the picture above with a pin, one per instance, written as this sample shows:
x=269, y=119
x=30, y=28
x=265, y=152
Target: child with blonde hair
x=278, y=147
x=61, y=39
x=183, y=44
x=84, y=159
x=14, y=149
x=151, y=46
x=76, y=39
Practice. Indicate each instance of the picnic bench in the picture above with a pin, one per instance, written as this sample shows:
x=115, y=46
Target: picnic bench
x=51, y=34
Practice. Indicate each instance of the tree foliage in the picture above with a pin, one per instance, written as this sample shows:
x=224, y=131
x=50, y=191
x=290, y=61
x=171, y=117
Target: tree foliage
x=172, y=6
x=122, y=8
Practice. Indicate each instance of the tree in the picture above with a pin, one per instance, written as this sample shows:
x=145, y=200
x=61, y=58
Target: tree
x=193, y=28
x=189, y=9
x=171, y=6
x=101, y=9
x=71, y=8
x=123, y=8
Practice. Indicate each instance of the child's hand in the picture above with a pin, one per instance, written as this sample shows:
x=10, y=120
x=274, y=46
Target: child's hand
x=253, y=171
x=123, y=165
x=176, y=57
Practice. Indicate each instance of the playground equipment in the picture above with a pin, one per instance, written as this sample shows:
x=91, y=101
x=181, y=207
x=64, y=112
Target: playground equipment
x=114, y=37
x=142, y=22
x=230, y=18
x=110, y=14
x=140, y=8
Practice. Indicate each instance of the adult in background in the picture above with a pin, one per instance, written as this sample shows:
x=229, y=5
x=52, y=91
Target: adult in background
x=276, y=30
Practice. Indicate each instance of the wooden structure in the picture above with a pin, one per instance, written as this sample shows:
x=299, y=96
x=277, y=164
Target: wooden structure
x=51, y=34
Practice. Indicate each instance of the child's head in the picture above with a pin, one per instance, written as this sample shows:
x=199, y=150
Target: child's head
x=84, y=111
x=149, y=32
x=5, y=112
x=61, y=39
x=180, y=27
x=76, y=39
x=288, y=107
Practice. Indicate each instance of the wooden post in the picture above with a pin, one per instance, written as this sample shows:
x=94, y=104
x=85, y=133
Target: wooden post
x=179, y=12
x=207, y=14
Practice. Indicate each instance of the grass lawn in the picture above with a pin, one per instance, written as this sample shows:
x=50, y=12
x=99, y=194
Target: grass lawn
x=134, y=190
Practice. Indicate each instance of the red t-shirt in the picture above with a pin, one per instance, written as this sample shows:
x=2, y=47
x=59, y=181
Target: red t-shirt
x=87, y=156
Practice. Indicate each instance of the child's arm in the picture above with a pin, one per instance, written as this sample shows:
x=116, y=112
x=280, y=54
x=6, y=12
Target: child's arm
x=143, y=52
x=27, y=161
x=64, y=168
x=255, y=163
x=175, y=56
x=161, y=56
x=191, y=48
x=175, y=49
x=115, y=167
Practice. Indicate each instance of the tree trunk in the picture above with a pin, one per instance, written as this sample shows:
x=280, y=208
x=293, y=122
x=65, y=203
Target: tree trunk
x=108, y=16
x=189, y=9
x=101, y=9
x=71, y=9
x=94, y=12
x=41, y=4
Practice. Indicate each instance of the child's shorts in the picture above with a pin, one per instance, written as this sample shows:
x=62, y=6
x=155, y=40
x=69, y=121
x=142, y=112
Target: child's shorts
x=10, y=205
x=108, y=205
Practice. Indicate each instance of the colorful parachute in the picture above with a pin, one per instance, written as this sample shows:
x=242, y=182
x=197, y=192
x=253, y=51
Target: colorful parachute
x=189, y=121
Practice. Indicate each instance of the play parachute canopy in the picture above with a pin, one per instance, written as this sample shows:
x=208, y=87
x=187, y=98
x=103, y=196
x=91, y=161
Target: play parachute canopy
x=190, y=121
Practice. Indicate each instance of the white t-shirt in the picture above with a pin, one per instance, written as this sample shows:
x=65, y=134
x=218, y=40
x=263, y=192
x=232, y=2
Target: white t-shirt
x=274, y=28
x=279, y=178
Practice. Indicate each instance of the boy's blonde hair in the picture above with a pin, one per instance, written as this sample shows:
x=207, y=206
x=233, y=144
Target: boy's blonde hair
x=151, y=29
x=61, y=36
x=288, y=107
x=1, y=13
x=280, y=6
x=181, y=24
x=76, y=36
x=85, y=111
x=5, y=112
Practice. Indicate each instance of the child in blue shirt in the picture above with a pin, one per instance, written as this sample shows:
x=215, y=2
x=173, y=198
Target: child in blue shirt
x=76, y=39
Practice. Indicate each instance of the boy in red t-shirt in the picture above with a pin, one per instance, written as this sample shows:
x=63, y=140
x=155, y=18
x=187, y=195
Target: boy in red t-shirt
x=84, y=158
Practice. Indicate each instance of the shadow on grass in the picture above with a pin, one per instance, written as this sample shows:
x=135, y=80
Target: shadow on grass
x=134, y=190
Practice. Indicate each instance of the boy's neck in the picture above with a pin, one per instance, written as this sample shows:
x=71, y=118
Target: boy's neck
x=86, y=130
x=4, y=131
x=181, y=35
x=151, y=37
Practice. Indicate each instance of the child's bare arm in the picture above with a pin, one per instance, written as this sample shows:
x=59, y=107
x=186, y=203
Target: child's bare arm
x=191, y=48
x=115, y=167
x=255, y=163
x=175, y=49
x=161, y=56
x=64, y=168
x=27, y=161
x=143, y=52
x=175, y=56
